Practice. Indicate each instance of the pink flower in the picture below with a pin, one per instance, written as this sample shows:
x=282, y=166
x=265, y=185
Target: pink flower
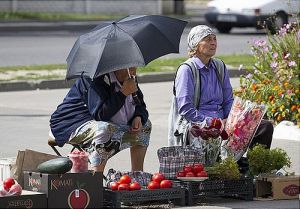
x=298, y=35
x=287, y=26
x=273, y=65
x=249, y=76
x=292, y=63
x=282, y=32
x=275, y=55
x=260, y=43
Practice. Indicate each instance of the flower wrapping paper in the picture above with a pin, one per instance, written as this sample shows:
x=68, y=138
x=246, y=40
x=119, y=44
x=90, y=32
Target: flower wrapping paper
x=241, y=125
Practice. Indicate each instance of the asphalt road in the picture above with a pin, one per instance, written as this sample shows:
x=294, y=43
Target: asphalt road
x=53, y=47
x=24, y=115
x=24, y=124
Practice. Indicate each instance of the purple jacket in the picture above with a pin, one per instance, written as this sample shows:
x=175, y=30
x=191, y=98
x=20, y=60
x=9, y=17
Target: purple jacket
x=216, y=100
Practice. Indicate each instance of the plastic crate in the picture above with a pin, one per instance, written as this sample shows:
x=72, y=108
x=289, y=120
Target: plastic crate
x=6, y=168
x=194, y=190
x=114, y=199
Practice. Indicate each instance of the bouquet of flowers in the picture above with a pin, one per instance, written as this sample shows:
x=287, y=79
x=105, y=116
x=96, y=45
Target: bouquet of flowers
x=208, y=136
x=242, y=123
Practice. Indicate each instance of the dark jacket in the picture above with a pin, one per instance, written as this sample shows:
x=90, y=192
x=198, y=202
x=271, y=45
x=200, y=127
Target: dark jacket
x=90, y=100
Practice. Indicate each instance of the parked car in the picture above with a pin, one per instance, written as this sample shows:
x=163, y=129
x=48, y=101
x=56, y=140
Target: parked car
x=273, y=14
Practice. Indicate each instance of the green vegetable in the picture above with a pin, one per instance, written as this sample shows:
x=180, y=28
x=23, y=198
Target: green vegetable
x=56, y=166
x=226, y=169
x=262, y=160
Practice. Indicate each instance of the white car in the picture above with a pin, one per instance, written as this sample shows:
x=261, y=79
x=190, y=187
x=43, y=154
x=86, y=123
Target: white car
x=226, y=14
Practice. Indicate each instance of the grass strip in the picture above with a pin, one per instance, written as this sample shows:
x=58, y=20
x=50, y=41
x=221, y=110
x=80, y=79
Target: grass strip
x=48, y=16
x=158, y=65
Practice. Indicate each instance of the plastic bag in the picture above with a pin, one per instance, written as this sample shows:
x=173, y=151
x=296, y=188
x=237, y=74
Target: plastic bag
x=242, y=123
x=143, y=178
x=172, y=159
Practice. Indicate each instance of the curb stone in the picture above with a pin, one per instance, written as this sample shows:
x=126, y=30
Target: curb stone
x=60, y=84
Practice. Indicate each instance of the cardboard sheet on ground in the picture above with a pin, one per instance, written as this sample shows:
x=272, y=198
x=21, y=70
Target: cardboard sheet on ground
x=28, y=160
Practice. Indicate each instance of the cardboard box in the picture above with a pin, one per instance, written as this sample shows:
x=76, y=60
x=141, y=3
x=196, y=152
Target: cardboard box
x=28, y=199
x=69, y=190
x=278, y=187
x=6, y=168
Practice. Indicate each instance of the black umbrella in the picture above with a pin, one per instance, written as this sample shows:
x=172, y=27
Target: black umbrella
x=130, y=42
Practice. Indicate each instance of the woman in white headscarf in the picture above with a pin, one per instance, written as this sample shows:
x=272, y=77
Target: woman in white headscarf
x=216, y=96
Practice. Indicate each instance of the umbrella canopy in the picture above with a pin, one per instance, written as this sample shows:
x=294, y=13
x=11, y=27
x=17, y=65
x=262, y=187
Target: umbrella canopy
x=133, y=41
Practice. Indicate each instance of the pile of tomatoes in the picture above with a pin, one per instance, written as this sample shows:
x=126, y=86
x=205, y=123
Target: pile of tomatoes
x=10, y=187
x=126, y=183
x=196, y=170
x=159, y=181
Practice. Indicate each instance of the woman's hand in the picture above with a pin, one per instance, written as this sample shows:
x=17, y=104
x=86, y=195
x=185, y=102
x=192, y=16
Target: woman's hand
x=136, y=125
x=129, y=86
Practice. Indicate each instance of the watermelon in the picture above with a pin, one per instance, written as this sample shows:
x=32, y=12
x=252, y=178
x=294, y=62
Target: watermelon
x=59, y=165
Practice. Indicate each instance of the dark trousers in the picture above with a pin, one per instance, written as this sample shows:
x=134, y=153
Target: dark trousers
x=263, y=134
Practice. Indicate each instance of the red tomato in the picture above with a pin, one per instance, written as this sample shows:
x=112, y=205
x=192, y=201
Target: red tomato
x=158, y=177
x=153, y=185
x=7, y=183
x=187, y=168
x=202, y=174
x=180, y=174
x=125, y=179
x=134, y=186
x=122, y=187
x=189, y=174
x=114, y=185
x=197, y=168
x=166, y=184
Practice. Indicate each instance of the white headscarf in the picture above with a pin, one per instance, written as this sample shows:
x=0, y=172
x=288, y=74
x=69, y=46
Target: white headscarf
x=196, y=34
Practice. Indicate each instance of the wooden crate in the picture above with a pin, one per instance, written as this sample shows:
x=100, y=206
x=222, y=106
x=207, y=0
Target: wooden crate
x=278, y=187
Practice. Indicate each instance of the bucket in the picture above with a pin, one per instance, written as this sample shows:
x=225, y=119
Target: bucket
x=80, y=161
